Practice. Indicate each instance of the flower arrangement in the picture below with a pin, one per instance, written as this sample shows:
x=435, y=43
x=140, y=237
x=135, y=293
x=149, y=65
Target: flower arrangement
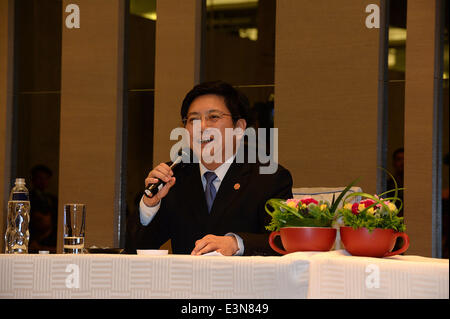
x=306, y=212
x=374, y=211
x=299, y=212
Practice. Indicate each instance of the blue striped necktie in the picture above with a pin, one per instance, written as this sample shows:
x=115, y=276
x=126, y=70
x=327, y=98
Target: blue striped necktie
x=210, y=190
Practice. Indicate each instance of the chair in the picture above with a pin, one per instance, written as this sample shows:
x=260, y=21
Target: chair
x=326, y=194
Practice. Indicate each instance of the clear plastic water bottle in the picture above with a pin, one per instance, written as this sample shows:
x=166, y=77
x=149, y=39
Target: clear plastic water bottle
x=17, y=230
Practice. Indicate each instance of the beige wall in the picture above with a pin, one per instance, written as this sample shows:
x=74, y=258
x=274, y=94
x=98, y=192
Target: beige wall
x=326, y=92
x=91, y=117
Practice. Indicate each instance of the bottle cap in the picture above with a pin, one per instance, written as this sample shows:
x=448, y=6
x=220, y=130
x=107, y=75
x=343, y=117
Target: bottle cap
x=20, y=180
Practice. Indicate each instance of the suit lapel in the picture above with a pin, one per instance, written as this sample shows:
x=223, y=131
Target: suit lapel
x=196, y=194
x=230, y=190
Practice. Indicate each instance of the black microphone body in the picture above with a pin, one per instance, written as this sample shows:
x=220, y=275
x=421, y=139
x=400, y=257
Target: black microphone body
x=153, y=188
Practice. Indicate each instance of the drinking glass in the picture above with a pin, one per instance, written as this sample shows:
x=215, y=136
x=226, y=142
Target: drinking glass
x=74, y=228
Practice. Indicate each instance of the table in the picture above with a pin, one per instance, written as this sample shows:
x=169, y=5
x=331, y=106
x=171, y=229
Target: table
x=143, y=276
x=337, y=274
x=300, y=275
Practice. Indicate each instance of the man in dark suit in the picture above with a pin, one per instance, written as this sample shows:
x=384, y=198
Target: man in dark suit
x=213, y=205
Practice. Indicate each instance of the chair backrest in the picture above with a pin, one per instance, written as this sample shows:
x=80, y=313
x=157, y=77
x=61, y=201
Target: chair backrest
x=326, y=193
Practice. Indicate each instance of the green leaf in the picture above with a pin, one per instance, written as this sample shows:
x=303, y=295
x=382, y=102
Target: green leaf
x=336, y=203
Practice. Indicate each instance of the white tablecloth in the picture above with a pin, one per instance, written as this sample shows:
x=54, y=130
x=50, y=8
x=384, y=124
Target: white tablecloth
x=333, y=274
x=136, y=276
x=337, y=274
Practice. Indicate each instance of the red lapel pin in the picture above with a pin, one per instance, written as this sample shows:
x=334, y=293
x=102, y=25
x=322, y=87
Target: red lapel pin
x=237, y=186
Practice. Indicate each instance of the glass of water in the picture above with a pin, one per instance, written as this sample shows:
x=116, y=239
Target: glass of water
x=74, y=228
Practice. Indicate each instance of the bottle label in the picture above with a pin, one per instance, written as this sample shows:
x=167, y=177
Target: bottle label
x=20, y=196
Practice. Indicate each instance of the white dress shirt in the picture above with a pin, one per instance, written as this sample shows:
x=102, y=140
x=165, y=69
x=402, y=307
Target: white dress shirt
x=147, y=213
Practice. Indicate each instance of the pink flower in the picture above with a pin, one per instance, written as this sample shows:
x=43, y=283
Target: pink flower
x=368, y=202
x=309, y=200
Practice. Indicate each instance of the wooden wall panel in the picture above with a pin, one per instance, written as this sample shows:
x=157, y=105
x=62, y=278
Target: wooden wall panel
x=177, y=67
x=326, y=92
x=420, y=140
x=91, y=117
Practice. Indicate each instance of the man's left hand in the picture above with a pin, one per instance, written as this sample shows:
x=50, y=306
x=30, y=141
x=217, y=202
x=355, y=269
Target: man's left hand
x=226, y=245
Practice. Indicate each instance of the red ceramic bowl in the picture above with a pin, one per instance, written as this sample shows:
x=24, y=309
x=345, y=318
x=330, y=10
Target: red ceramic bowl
x=378, y=243
x=303, y=239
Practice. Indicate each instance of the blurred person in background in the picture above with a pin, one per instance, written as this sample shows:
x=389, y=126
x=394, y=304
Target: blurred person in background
x=44, y=211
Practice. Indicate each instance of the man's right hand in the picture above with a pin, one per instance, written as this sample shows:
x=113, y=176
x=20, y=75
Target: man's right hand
x=164, y=173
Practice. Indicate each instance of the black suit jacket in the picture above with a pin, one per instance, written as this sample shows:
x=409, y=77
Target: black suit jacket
x=238, y=208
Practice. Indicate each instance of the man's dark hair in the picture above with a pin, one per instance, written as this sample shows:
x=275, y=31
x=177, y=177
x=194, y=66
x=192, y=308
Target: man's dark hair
x=41, y=168
x=236, y=102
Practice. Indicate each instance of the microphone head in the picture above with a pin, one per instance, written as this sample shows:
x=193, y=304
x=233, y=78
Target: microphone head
x=184, y=153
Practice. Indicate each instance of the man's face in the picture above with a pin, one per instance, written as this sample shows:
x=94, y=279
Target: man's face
x=210, y=114
x=398, y=162
x=41, y=180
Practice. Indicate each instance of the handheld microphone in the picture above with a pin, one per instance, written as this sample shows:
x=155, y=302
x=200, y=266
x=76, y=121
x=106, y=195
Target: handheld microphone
x=152, y=189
